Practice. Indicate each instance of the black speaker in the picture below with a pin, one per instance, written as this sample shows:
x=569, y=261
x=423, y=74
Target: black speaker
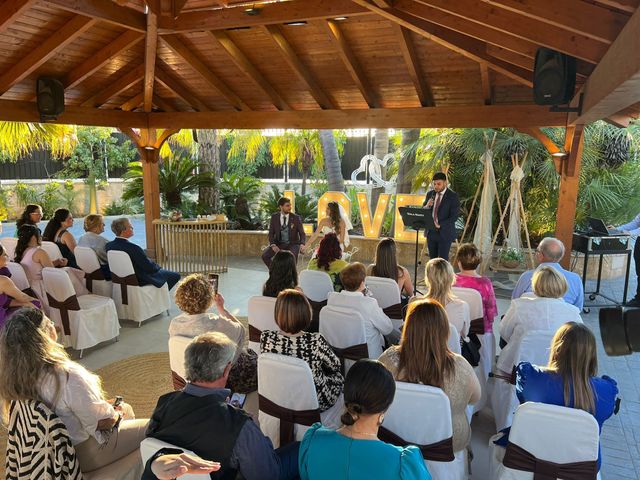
x=554, y=77
x=50, y=98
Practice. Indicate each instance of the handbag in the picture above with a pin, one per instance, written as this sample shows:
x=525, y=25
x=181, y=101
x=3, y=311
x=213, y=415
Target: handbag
x=470, y=349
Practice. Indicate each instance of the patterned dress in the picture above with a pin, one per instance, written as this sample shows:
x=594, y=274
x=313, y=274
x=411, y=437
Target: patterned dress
x=313, y=349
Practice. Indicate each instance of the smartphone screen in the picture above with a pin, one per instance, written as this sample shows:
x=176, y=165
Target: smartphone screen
x=237, y=400
x=213, y=279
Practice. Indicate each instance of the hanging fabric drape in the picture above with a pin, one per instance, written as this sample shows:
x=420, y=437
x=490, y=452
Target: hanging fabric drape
x=484, y=227
x=513, y=239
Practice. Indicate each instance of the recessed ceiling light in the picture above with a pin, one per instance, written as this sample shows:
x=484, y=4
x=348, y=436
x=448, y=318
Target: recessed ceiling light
x=252, y=11
x=340, y=19
x=237, y=28
x=296, y=24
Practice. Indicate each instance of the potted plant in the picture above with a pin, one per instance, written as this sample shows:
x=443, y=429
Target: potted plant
x=175, y=216
x=511, y=257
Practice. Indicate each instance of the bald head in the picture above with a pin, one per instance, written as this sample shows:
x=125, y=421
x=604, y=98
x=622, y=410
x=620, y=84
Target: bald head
x=551, y=249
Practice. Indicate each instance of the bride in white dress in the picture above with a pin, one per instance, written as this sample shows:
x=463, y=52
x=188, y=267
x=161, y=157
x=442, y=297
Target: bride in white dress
x=336, y=221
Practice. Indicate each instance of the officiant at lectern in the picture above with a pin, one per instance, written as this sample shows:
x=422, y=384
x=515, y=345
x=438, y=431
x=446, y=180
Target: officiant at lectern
x=444, y=204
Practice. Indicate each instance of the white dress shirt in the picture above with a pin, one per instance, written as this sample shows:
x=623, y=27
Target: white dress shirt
x=376, y=323
x=284, y=217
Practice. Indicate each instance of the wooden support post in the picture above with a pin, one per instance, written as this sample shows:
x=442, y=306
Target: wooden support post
x=568, y=195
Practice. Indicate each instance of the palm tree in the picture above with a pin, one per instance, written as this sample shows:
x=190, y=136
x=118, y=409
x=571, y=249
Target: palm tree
x=410, y=138
x=209, y=156
x=332, y=161
x=20, y=138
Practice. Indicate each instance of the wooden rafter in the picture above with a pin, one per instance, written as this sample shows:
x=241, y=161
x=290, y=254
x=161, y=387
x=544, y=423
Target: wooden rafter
x=44, y=51
x=165, y=76
x=133, y=102
x=176, y=7
x=100, y=58
x=189, y=56
x=270, y=14
x=105, y=11
x=583, y=69
x=485, y=82
x=299, y=68
x=423, y=89
x=384, y=3
x=542, y=138
x=508, y=22
x=115, y=87
x=462, y=44
x=244, y=64
x=628, y=6
x=150, y=49
x=12, y=9
x=163, y=104
x=351, y=62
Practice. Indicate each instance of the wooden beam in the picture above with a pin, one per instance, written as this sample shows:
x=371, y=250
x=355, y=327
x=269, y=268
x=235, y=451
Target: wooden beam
x=299, y=68
x=132, y=103
x=244, y=64
x=459, y=43
x=163, y=104
x=384, y=3
x=571, y=43
x=270, y=14
x=151, y=194
x=542, y=138
x=351, y=62
x=188, y=55
x=115, y=87
x=615, y=82
x=492, y=116
x=104, y=11
x=150, y=50
x=176, y=7
x=165, y=76
x=97, y=60
x=583, y=69
x=11, y=10
x=423, y=89
x=485, y=82
x=628, y=6
x=44, y=51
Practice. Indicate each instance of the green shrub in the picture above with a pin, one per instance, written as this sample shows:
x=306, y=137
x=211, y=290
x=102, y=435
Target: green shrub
x=124, y=207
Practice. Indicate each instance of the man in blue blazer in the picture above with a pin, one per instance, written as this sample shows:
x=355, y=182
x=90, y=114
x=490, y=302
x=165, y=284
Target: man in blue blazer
x=444, y=205
x=147, y=271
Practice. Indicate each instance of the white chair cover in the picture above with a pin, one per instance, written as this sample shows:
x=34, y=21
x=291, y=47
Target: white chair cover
x=177, y=345
x=473, y=299
x=533, y=348
x=551, y=433
x=149, y=446
x=18, y=275
x=421, y=414
x=454, y=339
x=315, y=284
x=261, y=317
x=343, y=328
x=387, y=293
x=87, y=260
x=9, y=245
x=95, y=322
x=52, y=250
x=143, y=302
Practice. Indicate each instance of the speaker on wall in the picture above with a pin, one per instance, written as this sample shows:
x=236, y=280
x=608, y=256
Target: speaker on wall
x=554, y=77
x=50, y=98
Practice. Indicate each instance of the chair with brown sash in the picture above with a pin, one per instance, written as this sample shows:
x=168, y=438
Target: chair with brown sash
x=288, y=403
x=344, y=330
x=84, y=320
x=387, y=293
x=547, y=442
x=9, y=245
x=421, y=415
x=87, y=260
x=317, y=286
x=52, y=250
x=261, y=316
x=134, y=302
x=177, y=345
x=19, y=278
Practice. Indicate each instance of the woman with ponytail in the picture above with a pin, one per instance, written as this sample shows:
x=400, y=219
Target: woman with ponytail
x=354, y=451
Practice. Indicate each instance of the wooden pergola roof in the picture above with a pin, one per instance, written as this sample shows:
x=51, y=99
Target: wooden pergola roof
x=351, y=63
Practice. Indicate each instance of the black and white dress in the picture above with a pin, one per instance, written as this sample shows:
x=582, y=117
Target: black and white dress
x=313, y=349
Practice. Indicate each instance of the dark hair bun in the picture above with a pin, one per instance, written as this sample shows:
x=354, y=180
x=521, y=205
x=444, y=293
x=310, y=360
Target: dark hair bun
x=347, y=419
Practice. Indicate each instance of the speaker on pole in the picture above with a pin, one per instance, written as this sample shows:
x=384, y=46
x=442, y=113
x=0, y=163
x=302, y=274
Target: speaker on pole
x=49, y=98
x=554, y=77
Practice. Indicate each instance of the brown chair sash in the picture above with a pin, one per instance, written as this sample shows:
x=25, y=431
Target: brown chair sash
x=288, y=418
x=70, y=303
x=315, y=314
x=477, y=326
x=519, y=459
x=89, y=277
x=178, y=381
x=354, y=352
x=394, y=311
x=29, y=291
x=124, y=282
x=441, y=451
x=254, y=334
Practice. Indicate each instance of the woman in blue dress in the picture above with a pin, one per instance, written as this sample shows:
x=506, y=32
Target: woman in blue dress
x=353, y=452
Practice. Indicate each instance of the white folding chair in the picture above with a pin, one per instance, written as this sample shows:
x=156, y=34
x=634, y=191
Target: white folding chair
x=18, y=276
x=549, y=433
x=421, y=415
x=84, y=320
x=315, y=284
x=134, y=302
x=454, y=340
x=88, y=261
x=9, y=245
x=177, y=346
x=261, y=316
x=533, y=348
x=387, y=293
x=149, y=446
x=286, y=382
x=52, y=250
x=344, y=330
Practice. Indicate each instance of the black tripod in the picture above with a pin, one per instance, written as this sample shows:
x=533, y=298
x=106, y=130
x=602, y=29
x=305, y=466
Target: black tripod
x=416, y=218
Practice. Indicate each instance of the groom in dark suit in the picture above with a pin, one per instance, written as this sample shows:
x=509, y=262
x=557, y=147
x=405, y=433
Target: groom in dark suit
x=285, y=232
x=444, y=205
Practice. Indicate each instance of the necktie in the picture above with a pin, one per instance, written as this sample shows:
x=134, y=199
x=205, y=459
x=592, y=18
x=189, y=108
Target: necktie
x=284, y=221
x=436, y=206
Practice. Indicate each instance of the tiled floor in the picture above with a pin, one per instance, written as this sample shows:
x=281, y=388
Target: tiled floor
x=620, y=436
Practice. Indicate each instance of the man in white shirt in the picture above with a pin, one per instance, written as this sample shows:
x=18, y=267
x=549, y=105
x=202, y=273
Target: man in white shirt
x=376, y=323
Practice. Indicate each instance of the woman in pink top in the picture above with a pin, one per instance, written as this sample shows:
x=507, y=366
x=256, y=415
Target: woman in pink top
x=468, y=258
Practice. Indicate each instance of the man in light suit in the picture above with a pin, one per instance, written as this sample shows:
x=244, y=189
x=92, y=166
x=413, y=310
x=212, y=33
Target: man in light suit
x=147, y=271
x=444, y=205
x=285, y=232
